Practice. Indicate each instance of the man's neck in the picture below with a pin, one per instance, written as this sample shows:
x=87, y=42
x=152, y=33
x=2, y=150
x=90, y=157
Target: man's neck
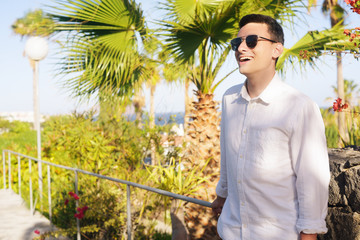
x=255, y=84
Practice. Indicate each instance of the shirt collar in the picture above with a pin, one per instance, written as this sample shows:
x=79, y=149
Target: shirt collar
x=269, y=93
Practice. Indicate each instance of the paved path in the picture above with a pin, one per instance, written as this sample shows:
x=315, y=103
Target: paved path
x=16, y=221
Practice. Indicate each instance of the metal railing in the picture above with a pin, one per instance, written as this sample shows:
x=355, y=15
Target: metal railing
x=76, y=171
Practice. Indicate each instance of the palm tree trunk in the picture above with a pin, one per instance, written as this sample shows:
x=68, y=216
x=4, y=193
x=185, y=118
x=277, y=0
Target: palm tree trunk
x=187, y=106
x=203, y=135
x=341, y=94
x=152, y=124
x=340, y=79
x=139, y=103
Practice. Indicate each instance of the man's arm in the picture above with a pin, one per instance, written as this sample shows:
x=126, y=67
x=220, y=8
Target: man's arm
x=311, y=166
x=221, y=188
x=304, y=236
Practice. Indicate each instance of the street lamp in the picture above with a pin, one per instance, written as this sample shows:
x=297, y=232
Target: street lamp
x=36, y=48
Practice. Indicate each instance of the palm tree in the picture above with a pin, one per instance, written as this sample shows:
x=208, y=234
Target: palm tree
x=197, y=33
x=351, y=91
x=336, y=13
x=34, y=23
x=101, y=52
x=152, y=46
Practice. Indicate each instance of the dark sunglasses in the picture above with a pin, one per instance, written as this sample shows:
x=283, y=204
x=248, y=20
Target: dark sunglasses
x=251, y=41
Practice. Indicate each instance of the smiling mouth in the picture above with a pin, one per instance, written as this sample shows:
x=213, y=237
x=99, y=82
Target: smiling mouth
x=244, y=59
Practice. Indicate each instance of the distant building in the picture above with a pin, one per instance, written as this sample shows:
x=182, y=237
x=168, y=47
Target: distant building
x=21, y=116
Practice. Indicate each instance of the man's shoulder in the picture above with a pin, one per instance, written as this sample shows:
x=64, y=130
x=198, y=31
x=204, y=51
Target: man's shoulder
x=234, y=90
x=297, y=98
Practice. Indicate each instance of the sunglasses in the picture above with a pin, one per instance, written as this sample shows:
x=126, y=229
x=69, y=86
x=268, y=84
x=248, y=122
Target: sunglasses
x=251, y=41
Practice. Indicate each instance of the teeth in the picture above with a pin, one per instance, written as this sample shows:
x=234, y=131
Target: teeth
x=245, y=58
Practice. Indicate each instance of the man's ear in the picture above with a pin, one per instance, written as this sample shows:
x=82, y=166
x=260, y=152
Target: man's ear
x=278, y=50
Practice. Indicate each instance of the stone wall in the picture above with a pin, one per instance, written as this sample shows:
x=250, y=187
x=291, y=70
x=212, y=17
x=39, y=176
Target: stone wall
x=343, y=218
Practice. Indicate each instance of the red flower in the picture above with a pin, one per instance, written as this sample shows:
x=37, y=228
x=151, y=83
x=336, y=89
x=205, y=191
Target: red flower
x=66, y=202
x=79, y=215
x=37, y=231
x=81, y=212
x=338, y=107
x=347, y=1
x=347, y=32
x=83, y=209
x=76, y=197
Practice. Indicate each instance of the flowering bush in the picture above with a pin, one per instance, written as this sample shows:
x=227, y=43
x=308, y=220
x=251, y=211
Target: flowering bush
x=353, y=132
x=355, y=5
x=354, y=35
x=338, y=106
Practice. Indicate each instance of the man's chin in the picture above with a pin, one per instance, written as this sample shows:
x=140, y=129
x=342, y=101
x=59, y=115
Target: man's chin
x=243, y=71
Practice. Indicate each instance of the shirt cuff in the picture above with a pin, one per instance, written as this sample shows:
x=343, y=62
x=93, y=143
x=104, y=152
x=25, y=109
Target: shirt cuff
x=311, y=227
x=221, y=191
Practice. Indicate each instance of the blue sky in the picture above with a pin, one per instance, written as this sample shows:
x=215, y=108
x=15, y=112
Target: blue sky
x=16, y=73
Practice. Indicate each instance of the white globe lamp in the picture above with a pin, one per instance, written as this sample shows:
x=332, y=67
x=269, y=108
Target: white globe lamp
x=36, y=48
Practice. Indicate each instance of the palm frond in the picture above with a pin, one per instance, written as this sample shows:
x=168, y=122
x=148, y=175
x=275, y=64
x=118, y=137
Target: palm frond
x=101, y=49
x=315, y=44
x=200, y=31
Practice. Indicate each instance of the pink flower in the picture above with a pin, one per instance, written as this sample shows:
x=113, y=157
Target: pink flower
x=66, y=202
x=37, y=231
x=76, y=197
x=81, y=212
x=83, y=209
x=79, y=215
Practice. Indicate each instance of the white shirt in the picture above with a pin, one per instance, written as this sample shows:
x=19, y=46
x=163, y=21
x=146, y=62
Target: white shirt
x=274, y=165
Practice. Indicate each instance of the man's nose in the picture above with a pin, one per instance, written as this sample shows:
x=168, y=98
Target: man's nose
x=242, y=46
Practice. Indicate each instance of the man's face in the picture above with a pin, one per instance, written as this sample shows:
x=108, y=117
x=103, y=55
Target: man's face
x=262, y=57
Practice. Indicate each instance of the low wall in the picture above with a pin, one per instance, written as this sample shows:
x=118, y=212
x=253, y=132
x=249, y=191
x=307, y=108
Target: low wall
x=343, y=218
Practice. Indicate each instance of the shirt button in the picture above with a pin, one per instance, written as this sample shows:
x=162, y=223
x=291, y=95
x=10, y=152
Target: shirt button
x=241, y=156
x=239, y=181
x=245, y=226
x=242, y=203
x=244, y=131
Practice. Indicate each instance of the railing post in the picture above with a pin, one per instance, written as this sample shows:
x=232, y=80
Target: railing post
x=77, y=205
x=49, y=192
x=40, y=183
x=9, y=163
x=128, y=211
x=19, y=174
x=4, y=169
x=30, y=186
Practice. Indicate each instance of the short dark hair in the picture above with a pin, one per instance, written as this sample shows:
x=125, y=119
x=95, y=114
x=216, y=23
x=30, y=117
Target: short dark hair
x=274, y=27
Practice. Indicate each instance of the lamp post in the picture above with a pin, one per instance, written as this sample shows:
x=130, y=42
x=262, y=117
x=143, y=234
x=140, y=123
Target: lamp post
x=36, y=48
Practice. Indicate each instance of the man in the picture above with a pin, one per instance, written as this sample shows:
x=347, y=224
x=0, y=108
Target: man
x=274, y=173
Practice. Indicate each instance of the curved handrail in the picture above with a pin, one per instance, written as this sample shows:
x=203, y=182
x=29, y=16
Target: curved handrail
x=76, y=171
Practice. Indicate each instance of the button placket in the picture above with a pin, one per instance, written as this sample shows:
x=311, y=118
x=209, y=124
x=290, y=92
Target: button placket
x=242, y=158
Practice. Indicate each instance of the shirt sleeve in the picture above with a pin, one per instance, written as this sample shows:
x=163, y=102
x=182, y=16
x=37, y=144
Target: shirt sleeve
x=222, y=187
x=311, y=165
